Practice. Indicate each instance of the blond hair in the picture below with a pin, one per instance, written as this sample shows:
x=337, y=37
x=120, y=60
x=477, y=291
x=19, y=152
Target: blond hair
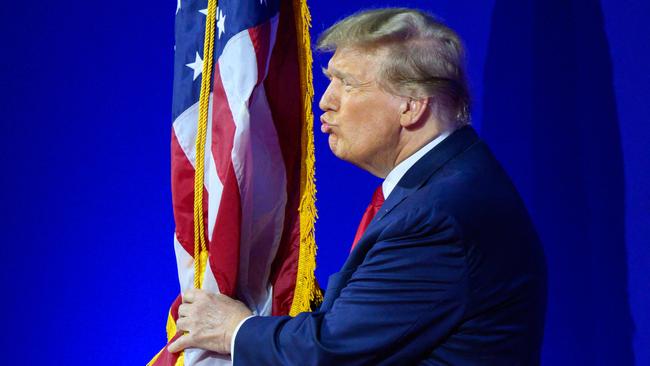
x=424, y=58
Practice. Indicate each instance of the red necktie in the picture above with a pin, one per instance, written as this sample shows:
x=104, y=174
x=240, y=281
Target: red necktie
x=371, y=211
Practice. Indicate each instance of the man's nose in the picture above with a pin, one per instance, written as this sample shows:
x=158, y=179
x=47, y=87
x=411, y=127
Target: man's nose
x=328, y=100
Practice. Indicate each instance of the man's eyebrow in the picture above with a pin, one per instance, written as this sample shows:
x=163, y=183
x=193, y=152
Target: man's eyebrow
x=338, y=74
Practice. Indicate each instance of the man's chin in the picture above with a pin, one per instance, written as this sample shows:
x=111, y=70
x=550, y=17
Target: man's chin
x=332, y=140
x=340, y=153
x=337, y=148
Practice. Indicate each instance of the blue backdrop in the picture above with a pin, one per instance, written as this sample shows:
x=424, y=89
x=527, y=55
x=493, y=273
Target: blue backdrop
x=561, y=92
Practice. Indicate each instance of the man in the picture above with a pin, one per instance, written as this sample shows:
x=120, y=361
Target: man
x=449, y=271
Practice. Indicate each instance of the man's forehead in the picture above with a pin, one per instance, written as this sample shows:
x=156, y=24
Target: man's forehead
x=353, y=61
x=345, y=54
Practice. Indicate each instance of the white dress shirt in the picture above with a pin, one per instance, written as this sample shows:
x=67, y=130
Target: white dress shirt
x=398, y=172
x=387, y=187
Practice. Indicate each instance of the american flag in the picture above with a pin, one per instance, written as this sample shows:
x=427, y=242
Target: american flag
x=258, y=207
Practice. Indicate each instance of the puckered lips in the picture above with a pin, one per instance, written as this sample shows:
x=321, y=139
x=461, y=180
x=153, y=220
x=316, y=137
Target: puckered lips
x=325, y=126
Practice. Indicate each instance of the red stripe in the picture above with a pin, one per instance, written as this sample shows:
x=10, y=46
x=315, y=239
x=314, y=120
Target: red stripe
x=174, y=308
x=261, y=39
x=182, y=173
x=283, y=93
x=224, y=244
x=166, y=358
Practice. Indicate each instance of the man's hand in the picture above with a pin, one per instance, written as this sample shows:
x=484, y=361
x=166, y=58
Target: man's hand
x=208, y=321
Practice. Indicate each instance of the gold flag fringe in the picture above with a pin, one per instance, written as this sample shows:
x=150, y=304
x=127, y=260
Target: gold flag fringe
x=306, y=291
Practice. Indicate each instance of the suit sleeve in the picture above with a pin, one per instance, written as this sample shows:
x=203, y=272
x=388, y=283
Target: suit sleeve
x=405, y=297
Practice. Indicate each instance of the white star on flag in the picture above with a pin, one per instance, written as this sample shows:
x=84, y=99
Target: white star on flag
x=197, y=66
x=261, y=2
x=178, y=6
x=221, y=22
x=221, y=19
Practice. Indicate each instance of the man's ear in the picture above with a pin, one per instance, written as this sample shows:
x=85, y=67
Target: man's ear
x=413, y=111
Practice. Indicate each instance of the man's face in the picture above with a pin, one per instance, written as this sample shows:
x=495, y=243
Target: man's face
x=362, y=120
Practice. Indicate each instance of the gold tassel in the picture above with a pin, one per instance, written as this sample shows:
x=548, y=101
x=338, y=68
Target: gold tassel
x=306, y=291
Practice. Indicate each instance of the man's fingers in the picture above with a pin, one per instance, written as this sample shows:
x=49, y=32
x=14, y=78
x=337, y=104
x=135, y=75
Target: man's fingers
x=189, y=296
x=183, y=310
x=184, y=341
x=182, y=324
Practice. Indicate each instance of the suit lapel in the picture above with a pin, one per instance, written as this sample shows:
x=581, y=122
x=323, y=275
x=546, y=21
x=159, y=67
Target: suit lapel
x=424, y=168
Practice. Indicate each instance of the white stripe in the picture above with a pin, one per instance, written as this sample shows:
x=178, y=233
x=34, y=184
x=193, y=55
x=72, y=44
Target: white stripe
x=185, y=128
x=259, y=168
x=215, y=189
x=213, y=184
x=199, y=357
x=185, y=266
x=209, y=282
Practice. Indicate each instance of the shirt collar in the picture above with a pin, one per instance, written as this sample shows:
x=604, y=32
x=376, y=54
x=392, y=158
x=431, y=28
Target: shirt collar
x=398, y=172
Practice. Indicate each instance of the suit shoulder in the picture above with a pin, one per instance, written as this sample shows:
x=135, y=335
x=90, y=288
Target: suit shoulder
x=473, y=180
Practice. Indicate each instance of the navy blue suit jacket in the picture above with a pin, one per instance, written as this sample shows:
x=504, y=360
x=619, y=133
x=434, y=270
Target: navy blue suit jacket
x=449, y=272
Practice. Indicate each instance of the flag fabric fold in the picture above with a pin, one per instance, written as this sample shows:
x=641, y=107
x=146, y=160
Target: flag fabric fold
x=257, y=203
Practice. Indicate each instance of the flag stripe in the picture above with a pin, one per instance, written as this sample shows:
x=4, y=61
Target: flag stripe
x=263, y=201
x=183, y=151
x=184, y=265
x=261, y=39
x=261, y=172
x=165, y=357
x=182, y=195
x=256, y=159
x=283, y=92
x=224, y=245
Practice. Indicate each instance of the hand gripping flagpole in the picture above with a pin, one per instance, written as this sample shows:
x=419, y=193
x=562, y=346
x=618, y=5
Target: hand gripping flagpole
x=200, y=248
